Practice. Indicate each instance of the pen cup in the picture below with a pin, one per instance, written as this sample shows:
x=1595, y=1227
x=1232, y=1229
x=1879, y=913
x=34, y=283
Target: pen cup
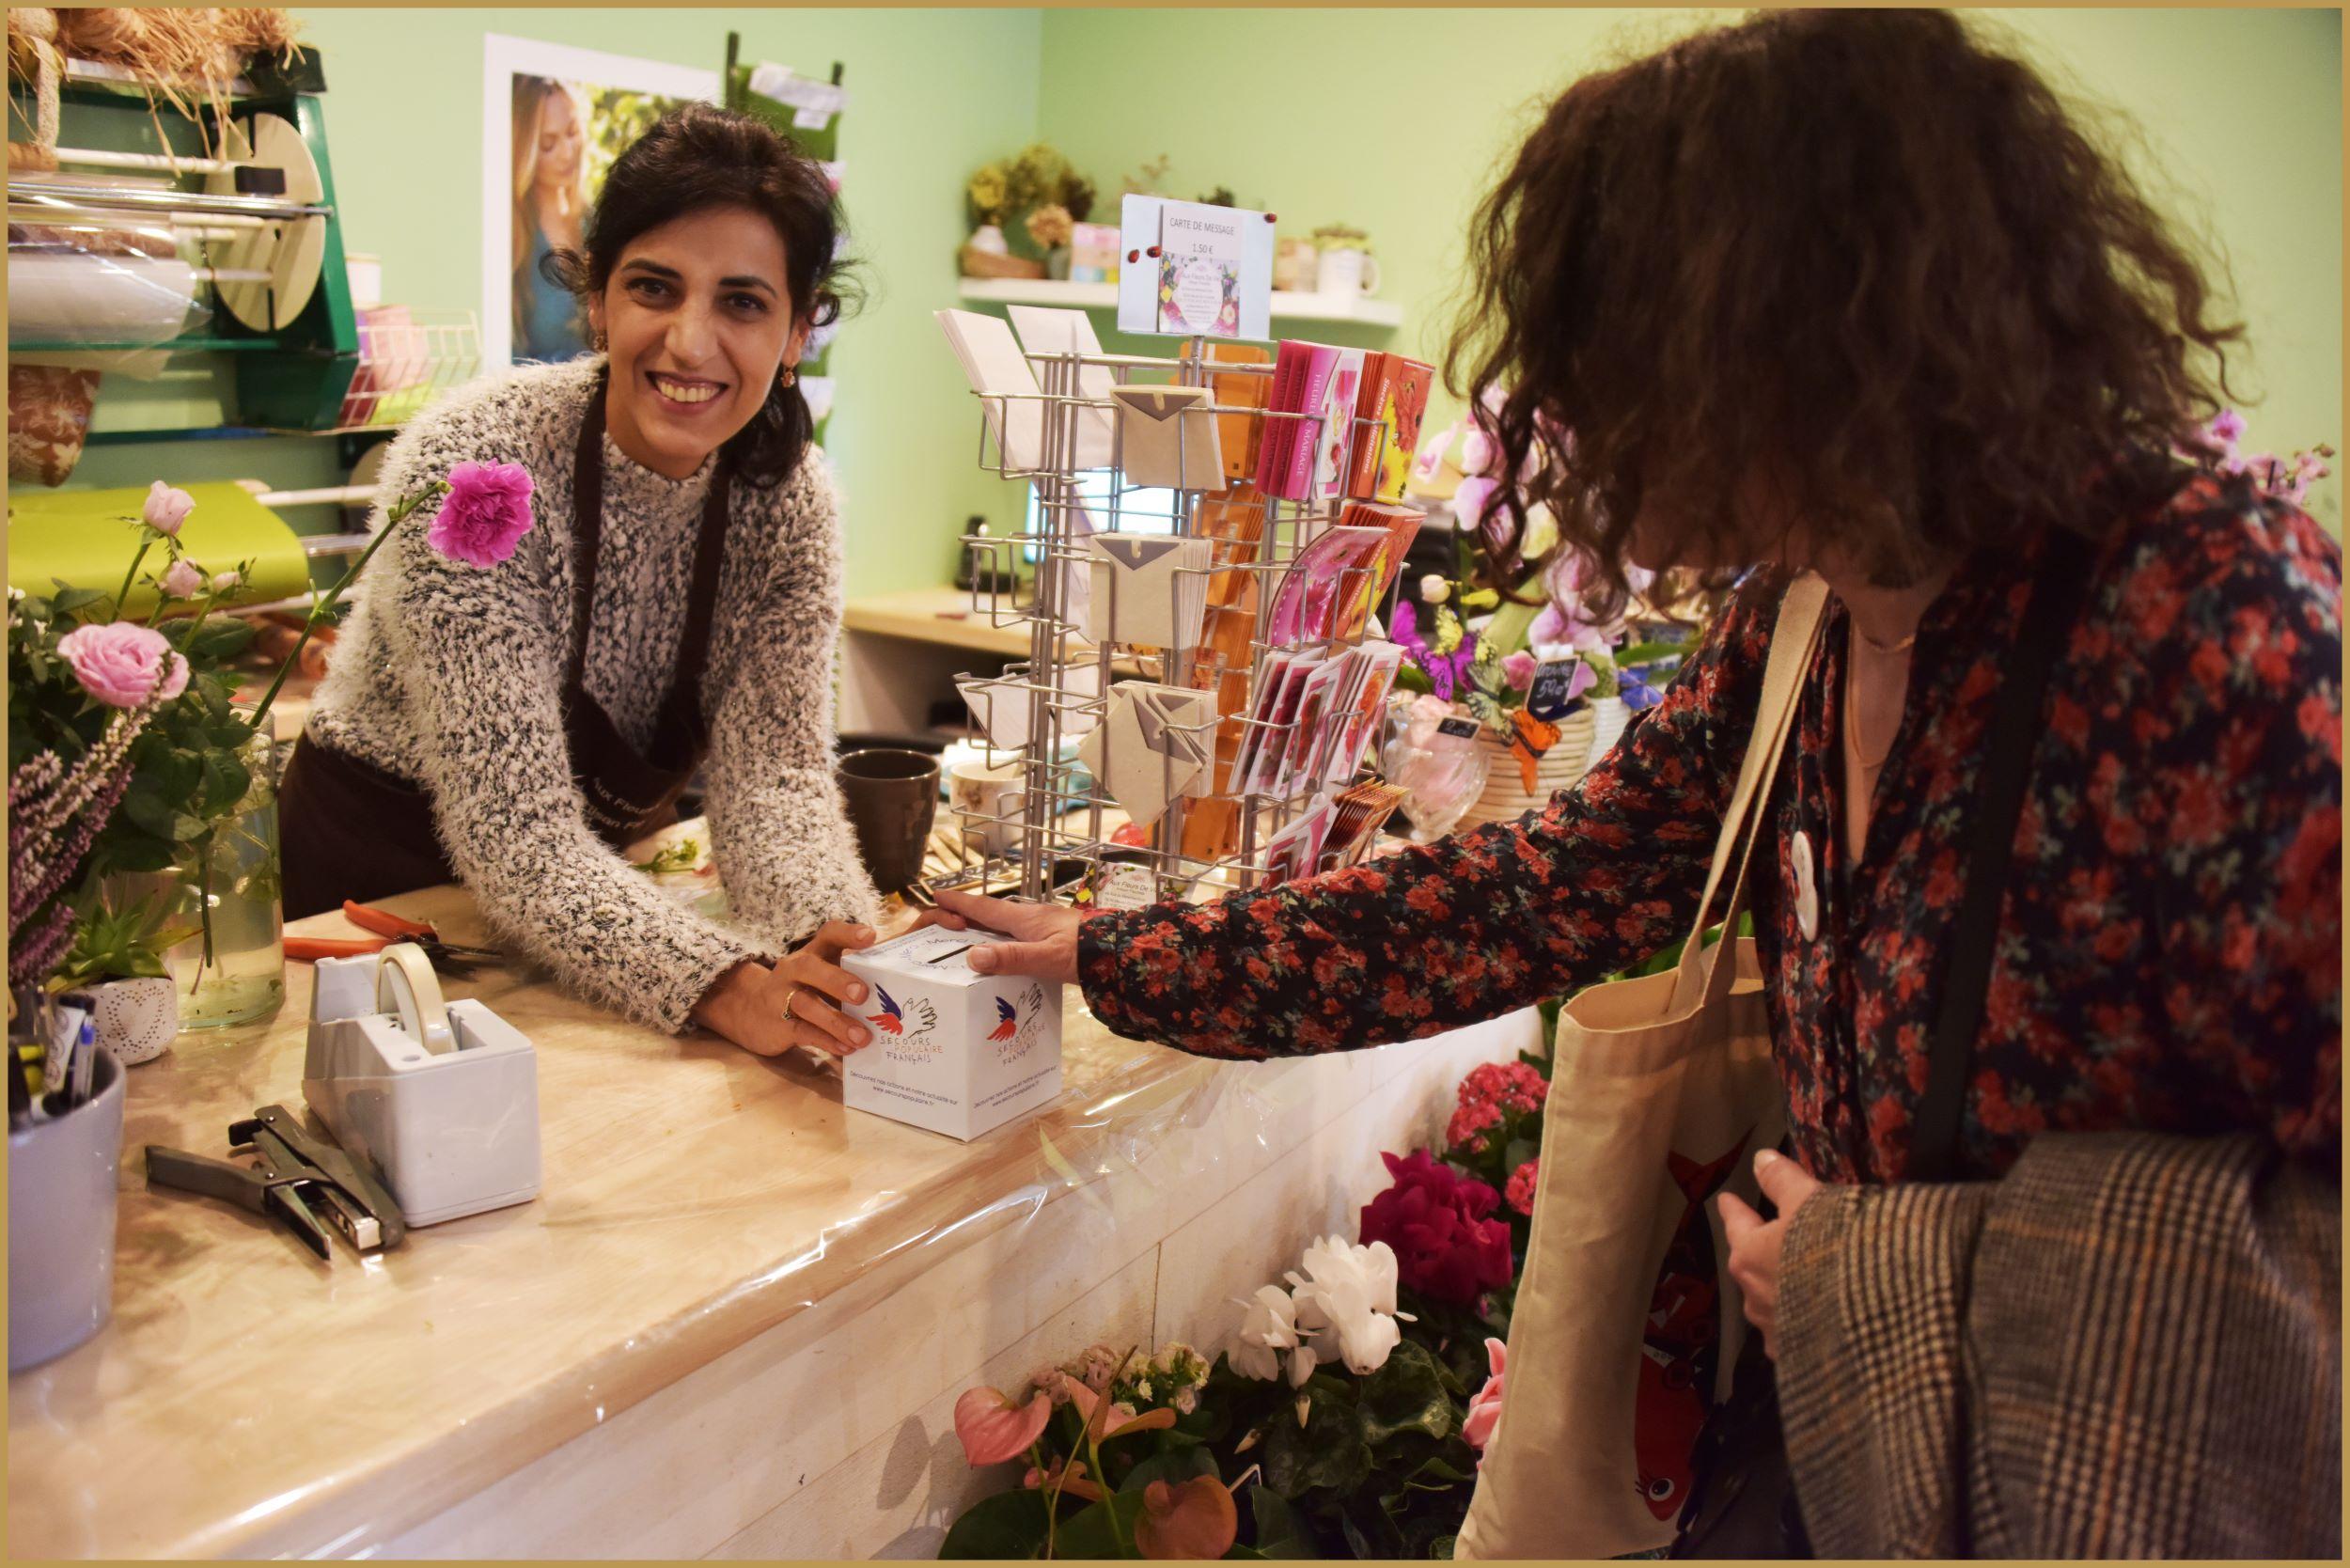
x=892, y=797
x=61, y=1222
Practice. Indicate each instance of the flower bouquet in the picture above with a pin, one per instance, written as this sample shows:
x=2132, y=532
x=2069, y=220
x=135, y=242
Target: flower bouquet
x=128, y=759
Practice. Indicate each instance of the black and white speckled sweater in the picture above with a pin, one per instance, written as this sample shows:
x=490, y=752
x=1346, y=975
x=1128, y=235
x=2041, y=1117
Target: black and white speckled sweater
x=450, y=675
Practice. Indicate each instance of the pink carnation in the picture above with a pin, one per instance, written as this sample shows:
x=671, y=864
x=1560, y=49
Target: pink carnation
x=1519, y=1193
x=119, y=663
x=485, y=513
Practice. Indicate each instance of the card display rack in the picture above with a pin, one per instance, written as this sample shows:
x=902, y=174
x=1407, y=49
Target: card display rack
x=1056, y=817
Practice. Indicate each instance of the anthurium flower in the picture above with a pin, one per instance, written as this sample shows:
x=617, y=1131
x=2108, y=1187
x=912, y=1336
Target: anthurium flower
x=1191, y=1520
x=1073, y=1481
x=1104, y=1420
x=992, y=1429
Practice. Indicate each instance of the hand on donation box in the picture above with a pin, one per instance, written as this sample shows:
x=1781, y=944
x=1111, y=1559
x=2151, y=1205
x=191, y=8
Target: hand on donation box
x=1043, y=936
x=1755, y=1243
x=768, y=1010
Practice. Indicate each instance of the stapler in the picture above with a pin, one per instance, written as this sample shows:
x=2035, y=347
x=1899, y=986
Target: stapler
x=294, y=1179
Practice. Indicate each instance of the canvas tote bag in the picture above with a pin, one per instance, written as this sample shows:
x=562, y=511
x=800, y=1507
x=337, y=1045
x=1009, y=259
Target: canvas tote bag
x=1627, y=1324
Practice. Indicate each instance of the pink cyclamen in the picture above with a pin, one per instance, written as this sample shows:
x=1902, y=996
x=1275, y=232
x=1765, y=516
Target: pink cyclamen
x=485, y=513
x=120, y=662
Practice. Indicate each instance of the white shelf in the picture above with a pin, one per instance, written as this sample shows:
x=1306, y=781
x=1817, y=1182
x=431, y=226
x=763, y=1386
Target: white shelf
x=1104, y=296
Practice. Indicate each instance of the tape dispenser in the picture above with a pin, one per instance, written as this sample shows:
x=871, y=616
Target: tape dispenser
x=441, y=1097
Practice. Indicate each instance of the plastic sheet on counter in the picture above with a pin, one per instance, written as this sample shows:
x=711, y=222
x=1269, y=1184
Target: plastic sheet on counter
x=694, y=1197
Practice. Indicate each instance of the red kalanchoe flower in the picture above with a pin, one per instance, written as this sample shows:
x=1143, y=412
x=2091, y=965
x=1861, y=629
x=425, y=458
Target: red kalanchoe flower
x=1512, y=1086
x=1434, y=1219
x=1520, y=1192
x=1468, y=1126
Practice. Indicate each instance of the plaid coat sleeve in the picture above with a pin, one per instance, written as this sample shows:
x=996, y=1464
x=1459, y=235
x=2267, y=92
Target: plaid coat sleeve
x=1444, y=934
x=2129, y=1346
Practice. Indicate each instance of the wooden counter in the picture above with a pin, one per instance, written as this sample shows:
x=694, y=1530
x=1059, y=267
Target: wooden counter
x=733, y=1321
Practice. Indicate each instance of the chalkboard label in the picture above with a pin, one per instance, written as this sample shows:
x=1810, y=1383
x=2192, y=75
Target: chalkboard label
x=1459, y=729
x=1548, y=700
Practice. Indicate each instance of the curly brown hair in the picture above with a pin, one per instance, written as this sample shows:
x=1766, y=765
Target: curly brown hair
x=1855, y=254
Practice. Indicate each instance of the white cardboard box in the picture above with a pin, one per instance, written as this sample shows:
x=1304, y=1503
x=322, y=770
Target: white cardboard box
x=954, y=1051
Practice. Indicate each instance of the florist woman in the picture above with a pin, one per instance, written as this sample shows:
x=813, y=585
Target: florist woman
x=1850, y=293
x=669, y=601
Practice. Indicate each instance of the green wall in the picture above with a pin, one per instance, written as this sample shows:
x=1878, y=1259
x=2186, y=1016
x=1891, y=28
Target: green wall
x=2238, y=115
x=2241, y=112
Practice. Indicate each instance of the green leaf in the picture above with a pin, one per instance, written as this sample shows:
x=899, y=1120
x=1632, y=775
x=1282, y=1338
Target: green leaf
x=1007, y=1525
x=73, y=600
x=1277, y=1534
x=1089, y=1535
x=1171, y=1465
x=1520, y=1151
x=1328, y=1451
x=226, y=781
x=219, y=639
x=1407, y=1394
x=158, y=817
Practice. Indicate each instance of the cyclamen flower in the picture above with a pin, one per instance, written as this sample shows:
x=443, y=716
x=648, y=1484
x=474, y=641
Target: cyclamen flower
x=1434, y=1221
x=121, y=664
x=1348, y=1293
x=1270, y=1329
x=1484, y=1408
x=485, y=513
x=1519, y=1193
x=167, y=507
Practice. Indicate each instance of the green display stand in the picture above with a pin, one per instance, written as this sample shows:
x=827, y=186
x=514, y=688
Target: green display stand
x=87, y=538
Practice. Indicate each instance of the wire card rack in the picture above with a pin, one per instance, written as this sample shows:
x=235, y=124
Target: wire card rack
x=1082, y=748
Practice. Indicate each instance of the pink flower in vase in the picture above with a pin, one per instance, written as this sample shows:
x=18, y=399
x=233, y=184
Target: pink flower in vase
x=120, y=662
x=485, y=513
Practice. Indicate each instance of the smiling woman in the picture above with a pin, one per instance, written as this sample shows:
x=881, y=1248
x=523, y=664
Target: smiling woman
x=674, y=607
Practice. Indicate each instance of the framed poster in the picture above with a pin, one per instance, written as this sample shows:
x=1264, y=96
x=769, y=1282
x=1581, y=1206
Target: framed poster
x=552, y=119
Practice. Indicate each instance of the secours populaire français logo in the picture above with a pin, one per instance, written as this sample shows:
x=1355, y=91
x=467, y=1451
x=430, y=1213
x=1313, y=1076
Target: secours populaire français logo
x=909, y=1033
x=1018, y=1023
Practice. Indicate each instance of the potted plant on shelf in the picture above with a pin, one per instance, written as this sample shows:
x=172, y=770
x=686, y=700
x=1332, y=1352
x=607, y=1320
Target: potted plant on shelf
x=1005, y=198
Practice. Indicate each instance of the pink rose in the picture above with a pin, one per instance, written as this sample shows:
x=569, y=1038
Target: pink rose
x=185, y=580
x=223, y=581
x=1484, y=1409
x=1518, y=669
x=167, y=507
x=485, y=513
x=119, y=663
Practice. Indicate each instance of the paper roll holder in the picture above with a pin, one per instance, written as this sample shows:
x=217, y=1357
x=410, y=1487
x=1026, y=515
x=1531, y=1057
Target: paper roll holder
x=447, y=1112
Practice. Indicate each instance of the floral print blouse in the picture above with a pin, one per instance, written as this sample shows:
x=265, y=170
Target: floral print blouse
x=2169, y=950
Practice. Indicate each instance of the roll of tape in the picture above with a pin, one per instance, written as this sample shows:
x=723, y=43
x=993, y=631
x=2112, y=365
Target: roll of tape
x=406, y=987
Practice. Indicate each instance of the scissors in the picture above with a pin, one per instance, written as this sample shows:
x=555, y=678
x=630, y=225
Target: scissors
x=390, y=928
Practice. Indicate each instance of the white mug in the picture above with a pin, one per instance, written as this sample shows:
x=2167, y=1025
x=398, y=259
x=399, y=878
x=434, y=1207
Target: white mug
x=1347, y=272
x=979, y=793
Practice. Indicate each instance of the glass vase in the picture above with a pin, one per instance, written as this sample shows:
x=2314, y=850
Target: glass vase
x=235, y=972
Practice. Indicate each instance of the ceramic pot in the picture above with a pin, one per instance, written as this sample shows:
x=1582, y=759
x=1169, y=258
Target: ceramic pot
x=137, y=1018
x=61, y=1223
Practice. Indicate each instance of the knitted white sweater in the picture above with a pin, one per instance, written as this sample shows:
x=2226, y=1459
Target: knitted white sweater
x=448, y=674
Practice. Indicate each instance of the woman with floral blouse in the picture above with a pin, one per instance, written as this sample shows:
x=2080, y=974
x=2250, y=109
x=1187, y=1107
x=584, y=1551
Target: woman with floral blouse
x=1850, y=292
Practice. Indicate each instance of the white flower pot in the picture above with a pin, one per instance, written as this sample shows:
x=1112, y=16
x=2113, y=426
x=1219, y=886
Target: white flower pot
x=137, y=1018
x=1506, y=797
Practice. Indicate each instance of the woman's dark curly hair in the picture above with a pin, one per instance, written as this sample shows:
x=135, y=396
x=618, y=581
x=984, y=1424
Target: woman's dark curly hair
x=698, y=157
x=1855, y=254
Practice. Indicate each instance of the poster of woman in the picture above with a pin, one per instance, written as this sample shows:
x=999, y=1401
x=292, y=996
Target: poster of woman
x=554, y=119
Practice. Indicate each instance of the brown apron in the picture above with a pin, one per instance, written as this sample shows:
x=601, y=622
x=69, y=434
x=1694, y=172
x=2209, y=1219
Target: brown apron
x=352, y=830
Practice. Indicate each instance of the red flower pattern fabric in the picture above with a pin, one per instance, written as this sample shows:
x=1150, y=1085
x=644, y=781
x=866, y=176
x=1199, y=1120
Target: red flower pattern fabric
x=2170, y=950
x=1434, y=1221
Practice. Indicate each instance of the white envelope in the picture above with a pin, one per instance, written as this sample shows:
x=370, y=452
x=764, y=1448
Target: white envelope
x=1149, y=589
x=1002, y=706
x=1167, y=438
x=1156, y=745
x=1046, y=332
x=993, y=365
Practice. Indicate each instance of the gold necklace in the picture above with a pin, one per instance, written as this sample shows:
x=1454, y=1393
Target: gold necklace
x=1852, y=727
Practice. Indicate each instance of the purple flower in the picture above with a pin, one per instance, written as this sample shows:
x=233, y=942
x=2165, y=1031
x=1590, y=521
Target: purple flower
x=120, y=662
x=2226, y=427
x=485, y=513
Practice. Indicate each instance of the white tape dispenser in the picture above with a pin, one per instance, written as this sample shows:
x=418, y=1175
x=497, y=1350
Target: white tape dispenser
x=442, y=1098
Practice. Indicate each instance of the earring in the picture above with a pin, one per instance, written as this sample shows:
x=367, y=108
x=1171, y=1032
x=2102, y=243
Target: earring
x=600, y=342
x=791, y=376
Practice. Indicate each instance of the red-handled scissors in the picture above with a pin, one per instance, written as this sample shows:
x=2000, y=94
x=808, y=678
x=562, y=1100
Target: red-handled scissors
x=390, y=928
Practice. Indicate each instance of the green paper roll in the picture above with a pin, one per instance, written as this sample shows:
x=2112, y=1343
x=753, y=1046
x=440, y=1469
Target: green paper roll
x=86, y=537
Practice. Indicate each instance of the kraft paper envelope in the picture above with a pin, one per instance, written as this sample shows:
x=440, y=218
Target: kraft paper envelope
x=1154, y=747
x=1168, y=438
x=1149, y=589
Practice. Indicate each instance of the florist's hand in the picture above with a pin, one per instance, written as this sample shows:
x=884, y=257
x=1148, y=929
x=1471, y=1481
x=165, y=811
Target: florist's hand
x=768, y=1010
x=1044, y=936
x=1754, y=1245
